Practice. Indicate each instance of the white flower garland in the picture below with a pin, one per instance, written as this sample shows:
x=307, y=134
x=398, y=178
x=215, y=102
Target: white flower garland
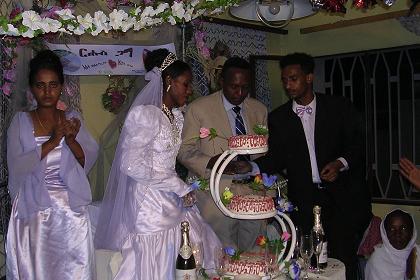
x=30, y=24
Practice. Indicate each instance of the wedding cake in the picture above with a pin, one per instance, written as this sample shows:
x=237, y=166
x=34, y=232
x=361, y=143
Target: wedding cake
x=247, y=265
x=251, y=204
x=247, y=142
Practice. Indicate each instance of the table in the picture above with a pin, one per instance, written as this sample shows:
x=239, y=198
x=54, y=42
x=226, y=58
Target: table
x=335, y=271
x=108, y=262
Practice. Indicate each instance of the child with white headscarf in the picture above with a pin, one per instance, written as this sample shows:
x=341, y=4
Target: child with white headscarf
x=396, y=258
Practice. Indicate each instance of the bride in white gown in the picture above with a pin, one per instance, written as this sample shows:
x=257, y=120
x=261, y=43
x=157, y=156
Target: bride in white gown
x=143, y=203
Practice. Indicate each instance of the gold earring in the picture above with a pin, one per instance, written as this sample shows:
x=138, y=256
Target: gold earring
x=168, y=88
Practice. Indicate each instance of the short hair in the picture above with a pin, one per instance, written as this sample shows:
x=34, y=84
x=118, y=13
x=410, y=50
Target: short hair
x=305, y=61
x=155, y=58
x=401, y=214
x=235, y=62
x=45, y=59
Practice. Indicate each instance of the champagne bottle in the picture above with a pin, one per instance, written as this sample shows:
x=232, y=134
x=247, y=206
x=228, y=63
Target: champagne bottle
x=317, y=230
x=185, y=262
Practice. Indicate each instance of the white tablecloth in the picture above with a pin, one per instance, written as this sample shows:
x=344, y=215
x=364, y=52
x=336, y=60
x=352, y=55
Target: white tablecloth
x=108, y=262
x=334, y=271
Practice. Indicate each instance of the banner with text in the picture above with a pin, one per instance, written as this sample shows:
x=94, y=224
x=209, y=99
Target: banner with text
x=104, y=59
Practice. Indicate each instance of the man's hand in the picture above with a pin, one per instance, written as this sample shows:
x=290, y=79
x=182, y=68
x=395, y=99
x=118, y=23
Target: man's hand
x=233, y=167
x=238, y=167
x=330, y=171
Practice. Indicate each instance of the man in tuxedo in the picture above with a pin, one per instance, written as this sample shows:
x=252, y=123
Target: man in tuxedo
x=231, y=112
x=318, y=141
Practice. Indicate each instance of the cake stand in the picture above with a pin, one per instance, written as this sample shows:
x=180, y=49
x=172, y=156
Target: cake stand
x=281, y=218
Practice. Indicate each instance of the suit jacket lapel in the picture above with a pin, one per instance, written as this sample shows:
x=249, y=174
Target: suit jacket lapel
x=226, y=130
x=249, y=118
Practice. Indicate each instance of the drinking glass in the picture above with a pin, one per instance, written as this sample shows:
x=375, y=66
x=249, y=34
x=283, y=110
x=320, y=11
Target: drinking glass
x=197, y=249
x=220, y=261
x=318, y=240
x=271, y=259
x=306, y=250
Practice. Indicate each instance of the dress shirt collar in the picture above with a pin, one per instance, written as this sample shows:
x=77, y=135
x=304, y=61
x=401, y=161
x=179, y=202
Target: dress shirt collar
x=312, y=105
x=228, y=106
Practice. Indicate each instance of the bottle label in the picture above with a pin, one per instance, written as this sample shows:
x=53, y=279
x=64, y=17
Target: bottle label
x=189, y=274
x=185, y=251
x=323, y=257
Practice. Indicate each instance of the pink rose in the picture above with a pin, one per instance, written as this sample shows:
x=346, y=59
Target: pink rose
x=285, y=236
x=61, y=105
x=204, y=132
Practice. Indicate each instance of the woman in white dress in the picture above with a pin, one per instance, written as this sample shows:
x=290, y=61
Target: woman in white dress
x=143, y=204
x=49, y=153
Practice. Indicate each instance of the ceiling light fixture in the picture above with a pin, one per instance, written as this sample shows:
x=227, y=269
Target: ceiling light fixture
x=273, y=13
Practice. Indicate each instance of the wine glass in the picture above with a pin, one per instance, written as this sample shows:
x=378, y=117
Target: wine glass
x=197, y=250
x=220, y=260
x=318, y=240
x=306, y=250
x=272, y=252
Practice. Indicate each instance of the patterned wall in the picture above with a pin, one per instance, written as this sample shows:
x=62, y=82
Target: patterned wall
x=242, y=42
x=5, y=113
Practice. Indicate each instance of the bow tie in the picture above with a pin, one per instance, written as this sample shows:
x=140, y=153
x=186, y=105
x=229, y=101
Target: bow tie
x=301, y=110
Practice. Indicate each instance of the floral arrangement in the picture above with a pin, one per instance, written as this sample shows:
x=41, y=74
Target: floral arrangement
x=31, y=24
x=275, y=244
x=263, y=182
x=9, y=66
x=116, y=93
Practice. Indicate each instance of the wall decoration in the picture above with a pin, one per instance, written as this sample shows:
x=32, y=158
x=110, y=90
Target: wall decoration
x=32, y=23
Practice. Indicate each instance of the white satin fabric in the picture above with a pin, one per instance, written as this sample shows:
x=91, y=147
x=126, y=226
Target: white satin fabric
x=388, y=263
x=153, y=207
x=55, y=243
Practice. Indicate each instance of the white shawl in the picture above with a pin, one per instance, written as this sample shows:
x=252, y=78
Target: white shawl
x=388, y=263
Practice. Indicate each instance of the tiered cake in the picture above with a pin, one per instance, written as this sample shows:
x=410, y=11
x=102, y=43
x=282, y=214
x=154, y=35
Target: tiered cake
x=248, y=264
x=251, y=204
x=248, y=142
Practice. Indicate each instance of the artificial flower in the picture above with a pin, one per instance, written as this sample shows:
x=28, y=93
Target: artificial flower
x=260, y=129
x=284, y=205
x=65, y=14
x=31, y=20
x=227, y=194
x=261, y=240
x=258, y=179
x=86, y=22
x=285, y=236
x=293, y=269
x=201, y=184
x=268, y=181
x=230, y=251
x=204, y=132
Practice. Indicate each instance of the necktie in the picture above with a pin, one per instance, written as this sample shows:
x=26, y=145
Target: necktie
x=239, y=122
x=302, y=110
x=240, y=128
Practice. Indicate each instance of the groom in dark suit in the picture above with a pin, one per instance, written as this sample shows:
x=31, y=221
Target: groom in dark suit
x=317, y=139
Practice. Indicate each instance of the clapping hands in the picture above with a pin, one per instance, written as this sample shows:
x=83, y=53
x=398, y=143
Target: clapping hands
x=67, y=129
x=71, y=128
